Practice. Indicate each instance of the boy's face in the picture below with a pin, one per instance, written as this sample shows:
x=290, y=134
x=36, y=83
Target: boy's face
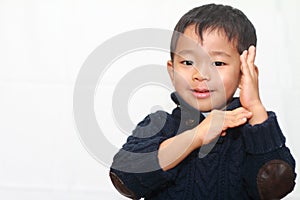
x=205, y=73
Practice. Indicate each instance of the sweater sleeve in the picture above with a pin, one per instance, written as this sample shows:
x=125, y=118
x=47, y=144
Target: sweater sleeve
x=136, y=165
x=269, y=167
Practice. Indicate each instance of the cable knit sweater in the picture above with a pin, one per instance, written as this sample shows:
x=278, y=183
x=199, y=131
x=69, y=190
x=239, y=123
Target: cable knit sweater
x=224, y=169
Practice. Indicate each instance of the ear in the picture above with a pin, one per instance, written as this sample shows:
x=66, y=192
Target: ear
x=171, y=70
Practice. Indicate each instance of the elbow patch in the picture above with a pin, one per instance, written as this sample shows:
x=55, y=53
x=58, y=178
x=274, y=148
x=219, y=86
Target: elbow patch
x=119, y=185
x=275, y=180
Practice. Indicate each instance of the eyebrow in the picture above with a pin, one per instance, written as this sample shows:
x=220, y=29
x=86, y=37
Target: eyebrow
x=191, y=52
x=185, y=51
x=211, y=53
x=219, y=53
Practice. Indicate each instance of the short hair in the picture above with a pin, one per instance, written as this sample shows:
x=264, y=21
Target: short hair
x=232, y=21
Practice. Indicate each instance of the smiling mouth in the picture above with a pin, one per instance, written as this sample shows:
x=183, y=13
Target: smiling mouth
x=202, y=93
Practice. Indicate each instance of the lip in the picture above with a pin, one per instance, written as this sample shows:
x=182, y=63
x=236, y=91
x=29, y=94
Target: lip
x=201, y=93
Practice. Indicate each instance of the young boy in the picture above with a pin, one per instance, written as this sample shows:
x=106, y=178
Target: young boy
x=237, y=151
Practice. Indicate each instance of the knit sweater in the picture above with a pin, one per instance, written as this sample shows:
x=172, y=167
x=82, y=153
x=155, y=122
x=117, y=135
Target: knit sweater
x=224, y=169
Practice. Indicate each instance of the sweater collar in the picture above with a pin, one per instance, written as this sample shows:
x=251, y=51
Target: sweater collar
x=189, y=116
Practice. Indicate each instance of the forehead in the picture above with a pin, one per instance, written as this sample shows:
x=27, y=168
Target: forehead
x=213, y=40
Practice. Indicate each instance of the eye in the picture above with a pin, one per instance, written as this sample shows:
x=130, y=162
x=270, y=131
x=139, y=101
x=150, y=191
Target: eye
x=187, y=62
x=218, y=64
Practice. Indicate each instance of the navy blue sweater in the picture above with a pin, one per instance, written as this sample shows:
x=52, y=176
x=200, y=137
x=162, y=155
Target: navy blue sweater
x=225, y=169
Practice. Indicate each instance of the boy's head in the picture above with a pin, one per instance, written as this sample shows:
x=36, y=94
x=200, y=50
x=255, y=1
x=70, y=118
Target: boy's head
x=205, y=55
x=233, y=22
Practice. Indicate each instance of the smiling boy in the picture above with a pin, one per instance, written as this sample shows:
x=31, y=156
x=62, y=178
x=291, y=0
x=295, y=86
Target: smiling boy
x=212, y=54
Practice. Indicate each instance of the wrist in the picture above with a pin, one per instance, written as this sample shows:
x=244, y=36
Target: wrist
x=197, y=137
x=259, y=114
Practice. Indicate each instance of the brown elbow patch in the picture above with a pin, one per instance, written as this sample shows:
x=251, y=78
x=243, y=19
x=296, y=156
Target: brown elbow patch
x=119, y=185
x=275, y=180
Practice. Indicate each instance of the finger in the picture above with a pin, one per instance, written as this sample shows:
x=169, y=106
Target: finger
x=244, y=116
x=240, y=117
x=240, y=110
x=251, y=55
x=233, y=122
x=244, y=65
x=236, y=117
x=250, y=59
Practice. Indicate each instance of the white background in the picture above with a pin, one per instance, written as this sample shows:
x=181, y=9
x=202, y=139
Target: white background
x=42, y=47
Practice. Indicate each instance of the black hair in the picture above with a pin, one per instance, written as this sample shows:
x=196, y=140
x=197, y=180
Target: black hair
x=232, y=21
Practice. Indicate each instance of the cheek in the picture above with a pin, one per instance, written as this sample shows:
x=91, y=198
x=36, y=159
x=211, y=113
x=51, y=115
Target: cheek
x=180, y=78
x=230, y=81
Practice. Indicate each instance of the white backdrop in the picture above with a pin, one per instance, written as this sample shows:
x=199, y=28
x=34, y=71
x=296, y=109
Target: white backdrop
x=43, y=45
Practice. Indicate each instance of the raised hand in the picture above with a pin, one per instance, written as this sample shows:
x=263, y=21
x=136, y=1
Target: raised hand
x=249, y=90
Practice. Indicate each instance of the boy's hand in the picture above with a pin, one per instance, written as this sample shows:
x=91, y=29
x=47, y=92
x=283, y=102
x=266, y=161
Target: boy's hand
x=249, y=92
x=217, y=122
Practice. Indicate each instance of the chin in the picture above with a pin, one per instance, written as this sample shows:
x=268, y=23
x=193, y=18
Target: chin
x=207, y=107
x=203, y=108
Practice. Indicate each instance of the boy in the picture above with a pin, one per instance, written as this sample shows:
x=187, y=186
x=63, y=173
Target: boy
x=237, y=151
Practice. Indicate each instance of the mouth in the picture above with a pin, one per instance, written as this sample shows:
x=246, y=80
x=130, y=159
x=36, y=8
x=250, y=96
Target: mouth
x=202, y=93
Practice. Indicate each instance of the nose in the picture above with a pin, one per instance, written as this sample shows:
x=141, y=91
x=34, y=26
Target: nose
x=200, y=75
